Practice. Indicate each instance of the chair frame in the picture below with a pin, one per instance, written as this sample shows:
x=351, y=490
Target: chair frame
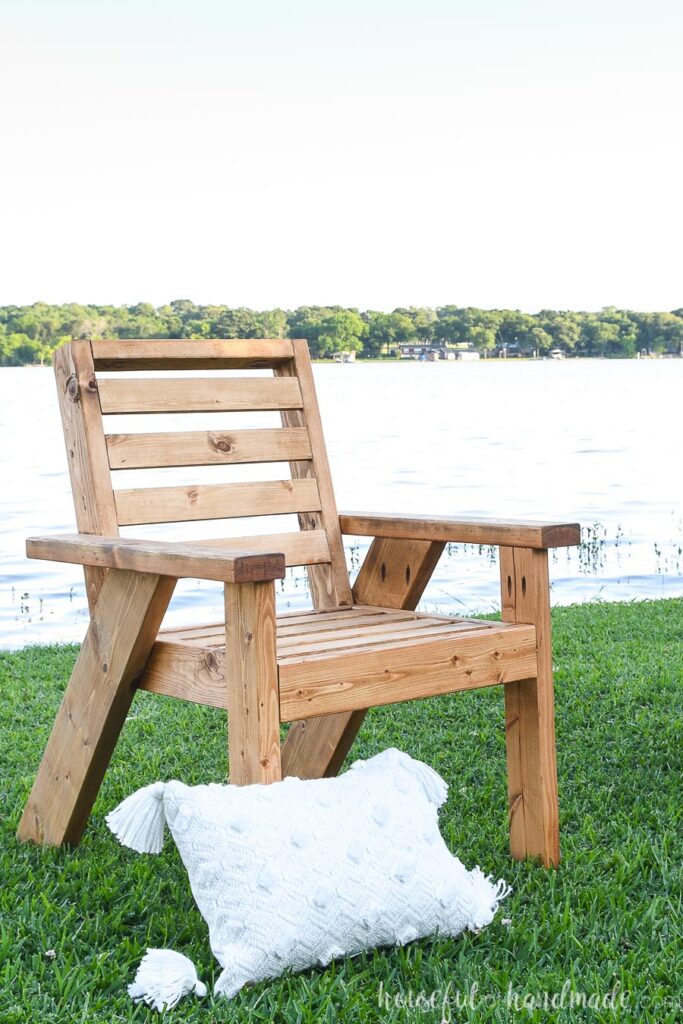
x=130, y=583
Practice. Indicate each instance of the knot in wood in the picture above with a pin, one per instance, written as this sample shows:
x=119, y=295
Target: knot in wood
x=72, y=389
x=221, y=444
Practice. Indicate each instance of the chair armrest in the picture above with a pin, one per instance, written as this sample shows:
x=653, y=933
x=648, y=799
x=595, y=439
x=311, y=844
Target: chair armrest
x=514, y=534
x=161, y=557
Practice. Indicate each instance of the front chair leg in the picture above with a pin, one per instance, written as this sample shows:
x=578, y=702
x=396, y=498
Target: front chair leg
x=529, y=713
x=123, y=628
x=252, y=679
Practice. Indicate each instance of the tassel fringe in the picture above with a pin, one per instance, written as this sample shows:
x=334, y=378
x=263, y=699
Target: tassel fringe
x=138, y=822
x=163, y=978
x=486, y=896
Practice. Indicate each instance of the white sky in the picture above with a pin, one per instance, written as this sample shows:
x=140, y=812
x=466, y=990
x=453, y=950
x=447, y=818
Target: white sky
x=373, y=153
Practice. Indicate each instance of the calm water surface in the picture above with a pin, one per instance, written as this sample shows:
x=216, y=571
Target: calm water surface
x=594, y=441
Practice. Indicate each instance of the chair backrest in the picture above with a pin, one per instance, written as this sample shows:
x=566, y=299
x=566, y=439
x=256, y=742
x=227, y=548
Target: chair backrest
x=94, y=383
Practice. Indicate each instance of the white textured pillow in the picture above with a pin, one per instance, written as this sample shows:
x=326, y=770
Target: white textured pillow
x=299, y=873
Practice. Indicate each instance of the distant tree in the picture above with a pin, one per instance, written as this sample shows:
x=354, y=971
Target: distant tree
x=234, y=323
x=305, y=323
x=659, y=332
x=20, y=350
x=423, y=321
x=340, y=331
x=563, y=329
x=385, y=331
x=271, y=324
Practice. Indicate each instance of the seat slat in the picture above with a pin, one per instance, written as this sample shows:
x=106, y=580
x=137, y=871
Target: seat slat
x=304, y=634
x=367, y=639
x=198, y=394
x=338, y=627
x=168, y=354
x=404, y=668
x=323, y=684
x=142, y=505
x=286, y=619
x=207, y=448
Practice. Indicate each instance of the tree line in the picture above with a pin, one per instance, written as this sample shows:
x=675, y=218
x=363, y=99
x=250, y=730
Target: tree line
x=29, y=334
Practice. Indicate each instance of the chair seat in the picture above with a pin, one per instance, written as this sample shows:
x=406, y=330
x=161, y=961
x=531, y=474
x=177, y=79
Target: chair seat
x=351, y=657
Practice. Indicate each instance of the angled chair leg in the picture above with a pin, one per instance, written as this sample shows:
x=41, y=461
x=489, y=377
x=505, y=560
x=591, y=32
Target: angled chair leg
x=252, y=680
x=123, y=627
x=393, y=575
x=529, y=713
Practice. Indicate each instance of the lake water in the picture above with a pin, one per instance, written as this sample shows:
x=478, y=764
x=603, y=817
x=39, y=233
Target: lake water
x=593, y=441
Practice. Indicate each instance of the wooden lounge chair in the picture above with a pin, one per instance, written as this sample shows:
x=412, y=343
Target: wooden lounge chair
x=321, y=670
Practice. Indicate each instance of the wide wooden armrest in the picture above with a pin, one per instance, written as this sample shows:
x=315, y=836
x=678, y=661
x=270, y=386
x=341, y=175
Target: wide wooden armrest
x=513, y=533
x=161, y=557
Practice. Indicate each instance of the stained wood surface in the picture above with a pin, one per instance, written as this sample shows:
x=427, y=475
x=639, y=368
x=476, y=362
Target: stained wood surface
x=393, y=575
x=298, y=548
x=86, y=451
x=529, y=713
x=116, y=647
x=206, y=448
x=323, y=658
x=330, y=586
x=163, y=558
x=169, y=354
x=400, y=670
x=252, y=684
x=140, y=505
x=462, y=531
x=197, y=394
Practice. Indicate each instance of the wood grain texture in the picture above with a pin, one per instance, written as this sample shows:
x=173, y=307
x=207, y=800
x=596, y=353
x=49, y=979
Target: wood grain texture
x=404, y=670
x=197, y=394
x=191, y=662
x=311, y=549
x=122, y=630
x=169, y=354
x=529, y=713
x=206, y=448
x=187, y=672
x=393, y=575
x=396, y=572
x=79, y=406
x=252, y=678
x=330, y=587
x=448, y=529
x=164, y=558
x=368, y=637
x=140, y=505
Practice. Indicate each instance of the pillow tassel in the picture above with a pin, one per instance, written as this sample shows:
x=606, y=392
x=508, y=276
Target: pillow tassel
x=138, y=822
x=486, y=895
x=163, y=978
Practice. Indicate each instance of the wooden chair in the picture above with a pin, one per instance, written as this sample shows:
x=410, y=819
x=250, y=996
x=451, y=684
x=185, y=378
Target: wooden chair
x=321, y=669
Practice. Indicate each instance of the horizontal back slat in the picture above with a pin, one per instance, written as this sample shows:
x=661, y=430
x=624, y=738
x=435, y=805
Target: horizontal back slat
x=190, y=355
x=302, y=548
x=207, y=448
x=198, y=394
x=141, y=505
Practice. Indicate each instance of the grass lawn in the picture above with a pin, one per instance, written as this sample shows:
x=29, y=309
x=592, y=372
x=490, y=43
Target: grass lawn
x=611, y=915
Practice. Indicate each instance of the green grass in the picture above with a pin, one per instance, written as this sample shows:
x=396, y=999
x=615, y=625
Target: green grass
x=610, y=915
